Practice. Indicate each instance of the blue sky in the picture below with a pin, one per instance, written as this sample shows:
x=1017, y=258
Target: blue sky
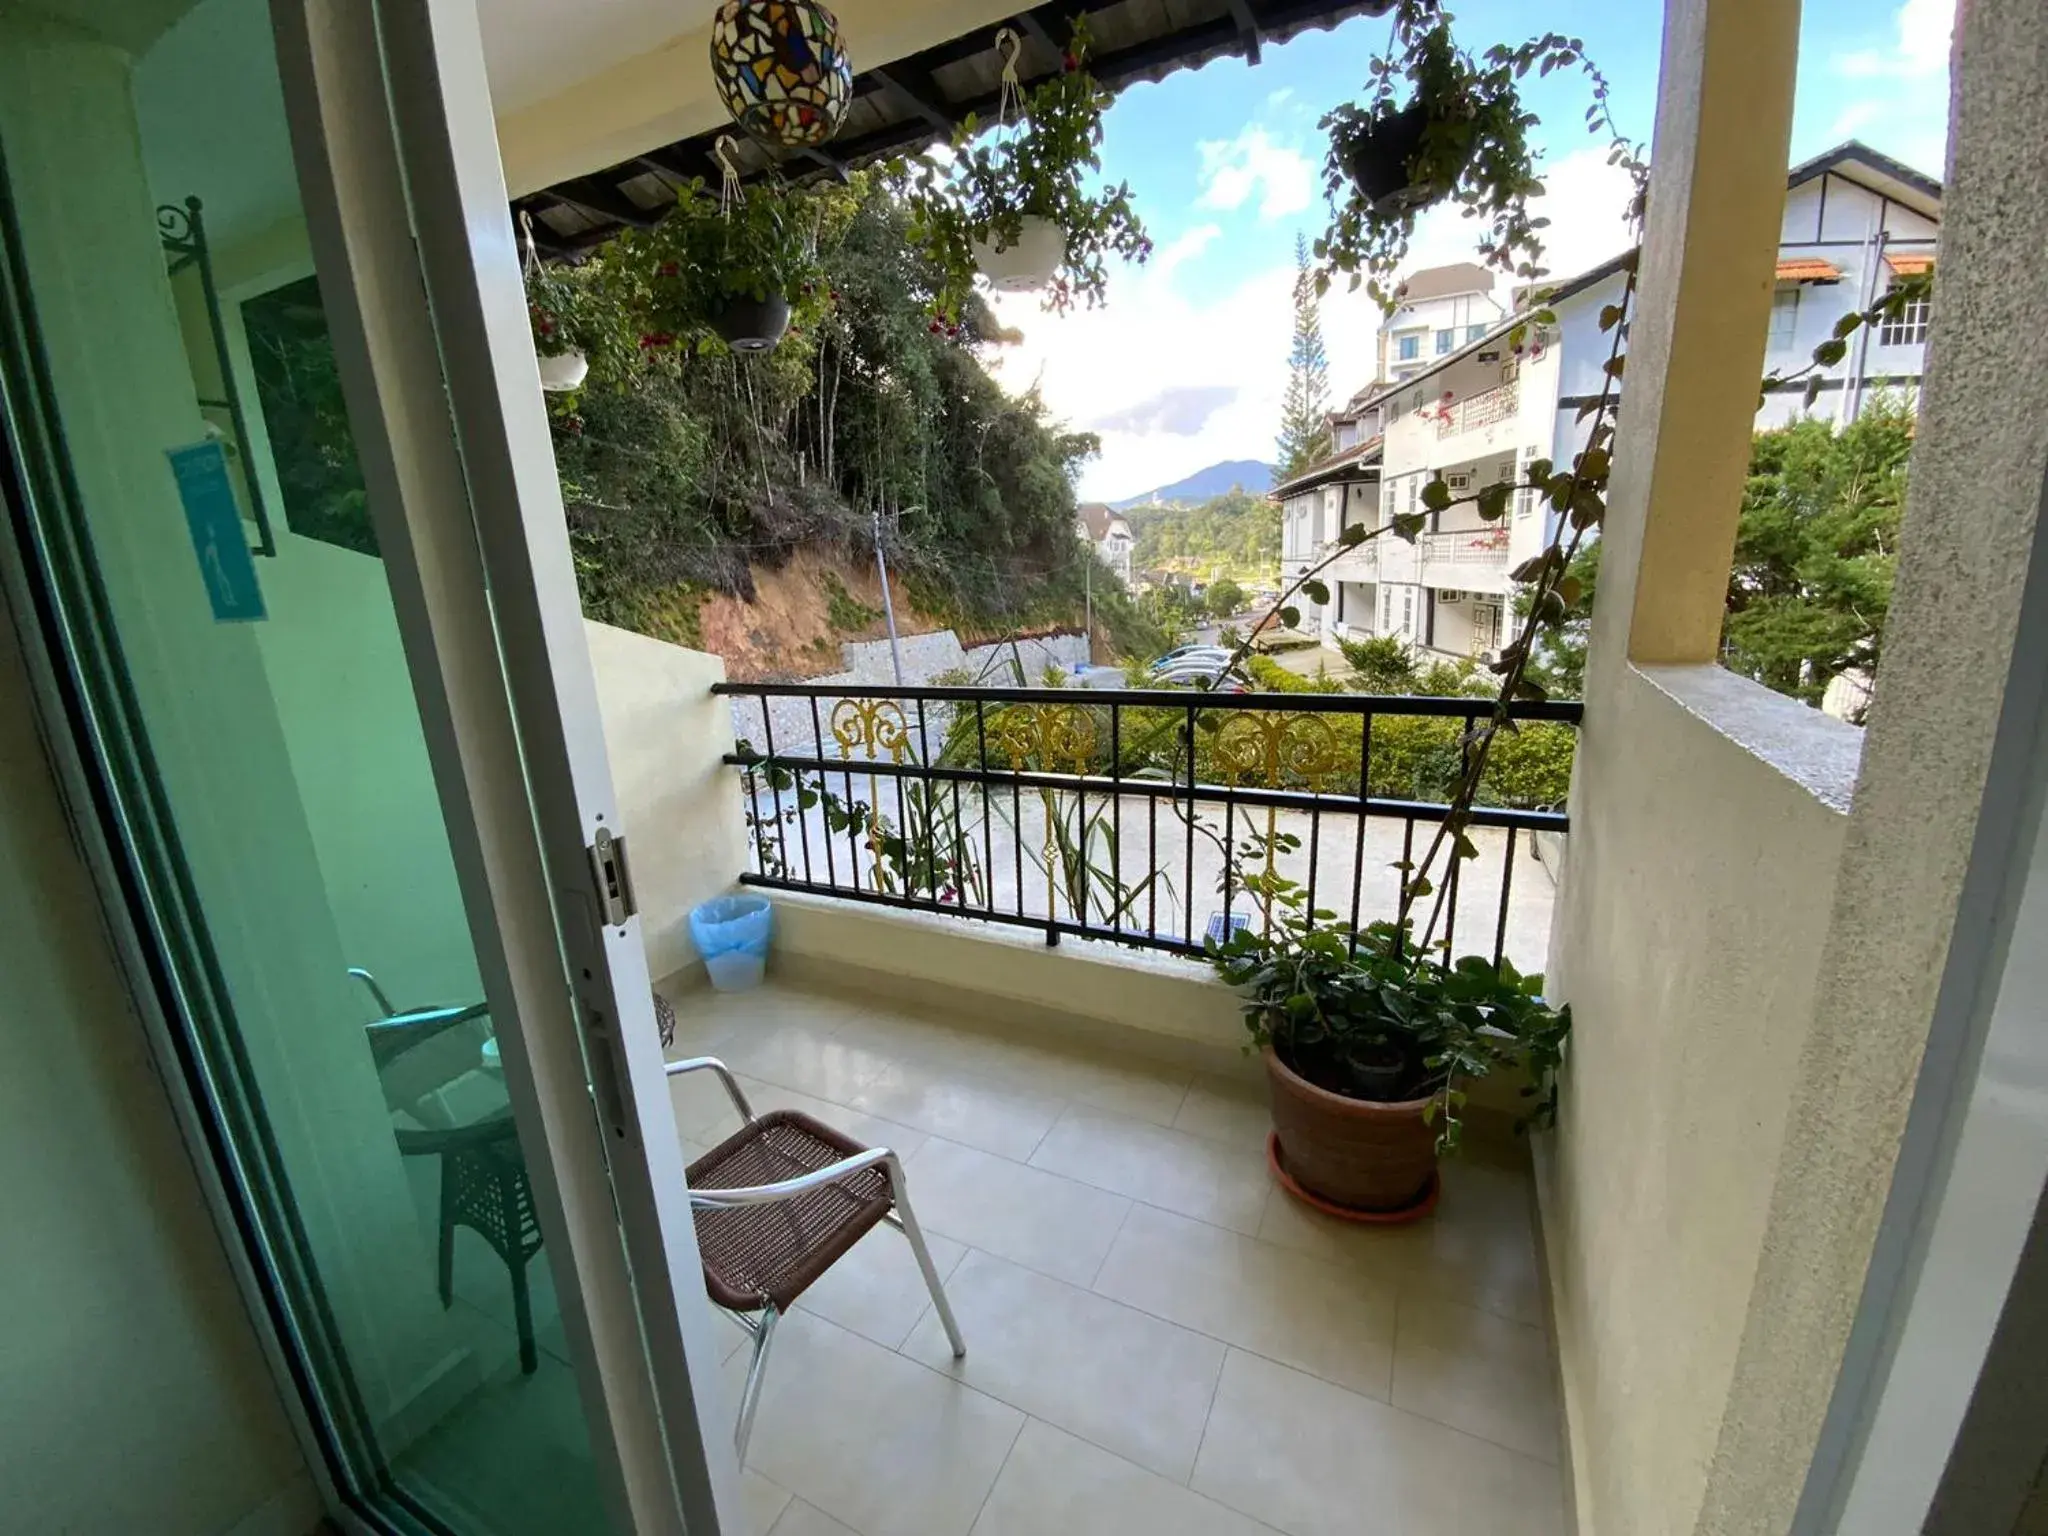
x=1185, y=364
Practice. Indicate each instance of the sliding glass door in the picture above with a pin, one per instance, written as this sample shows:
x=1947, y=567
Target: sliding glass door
x=315, y=640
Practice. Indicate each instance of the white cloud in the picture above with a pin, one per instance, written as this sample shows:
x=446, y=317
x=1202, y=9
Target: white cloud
x=1111, y=367
x=1114, y=367
x=1921, y=49
x=1253, y=162
x=1585, y=199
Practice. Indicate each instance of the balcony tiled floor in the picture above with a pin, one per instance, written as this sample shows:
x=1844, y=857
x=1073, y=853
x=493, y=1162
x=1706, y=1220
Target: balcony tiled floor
x=1158, y=1339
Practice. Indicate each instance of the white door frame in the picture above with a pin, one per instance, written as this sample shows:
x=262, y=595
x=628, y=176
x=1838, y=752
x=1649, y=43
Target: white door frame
x=485, y=602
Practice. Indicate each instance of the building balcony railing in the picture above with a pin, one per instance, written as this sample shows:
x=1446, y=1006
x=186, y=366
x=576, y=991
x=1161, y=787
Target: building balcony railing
x=1481, y=410
x=1466, y=557
x=1107, y=813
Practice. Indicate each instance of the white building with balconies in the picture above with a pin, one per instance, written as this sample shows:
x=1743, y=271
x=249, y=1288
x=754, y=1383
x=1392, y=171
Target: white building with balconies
x=1506, y=395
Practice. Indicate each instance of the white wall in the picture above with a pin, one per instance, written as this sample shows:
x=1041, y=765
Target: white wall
x=680, y=805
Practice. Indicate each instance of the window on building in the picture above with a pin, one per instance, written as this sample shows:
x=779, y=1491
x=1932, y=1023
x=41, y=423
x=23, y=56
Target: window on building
x=1386, y=610
x=1408, y=348
x=1407, y=610
x=1387, y=501
x=1414, y=490
x=1784, y=317
x=1485, y=627
x=1445, y=340
x=1474, y=333
x=1908, y=330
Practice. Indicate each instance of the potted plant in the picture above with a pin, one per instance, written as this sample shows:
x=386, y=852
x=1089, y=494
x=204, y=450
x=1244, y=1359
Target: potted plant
x=1460, y=135
x=1016, y=209
x=734, y=269
x=1370, y=1041
x=561, y=306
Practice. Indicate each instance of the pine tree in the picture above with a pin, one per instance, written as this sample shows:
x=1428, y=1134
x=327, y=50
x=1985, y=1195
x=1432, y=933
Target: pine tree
x=1304, y=424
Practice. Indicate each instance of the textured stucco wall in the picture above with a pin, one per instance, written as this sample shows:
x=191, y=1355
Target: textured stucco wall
x=1687, y=939
x=1972, y=524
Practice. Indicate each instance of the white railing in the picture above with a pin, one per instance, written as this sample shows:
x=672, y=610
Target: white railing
x=1471, y=551
x=1481, y=410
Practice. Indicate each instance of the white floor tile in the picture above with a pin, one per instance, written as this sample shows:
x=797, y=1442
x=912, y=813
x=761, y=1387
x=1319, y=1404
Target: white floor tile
x=1030, y=1217
x=877, y=1442
x=945, y=1101
x=1223, y=1186
x=802, y=1519
x=1312, y=1459
x=801, y=1053
x=1228, y=1110
x=876, y=1288
x=762, y=1502
x=1487, y=1375
x=1335, y=1321
x=1057, y=1485
x=868, y=1129
x=1118, y=1378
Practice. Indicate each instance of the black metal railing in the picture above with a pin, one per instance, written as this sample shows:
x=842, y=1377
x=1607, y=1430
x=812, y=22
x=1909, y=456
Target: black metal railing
x=1111, y=813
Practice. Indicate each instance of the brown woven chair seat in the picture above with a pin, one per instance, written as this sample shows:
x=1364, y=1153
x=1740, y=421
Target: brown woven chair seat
x=755, y=1255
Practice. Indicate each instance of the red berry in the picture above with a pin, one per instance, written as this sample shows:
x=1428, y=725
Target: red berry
x=1068, y=62
x=936, y=327
x=669, y=269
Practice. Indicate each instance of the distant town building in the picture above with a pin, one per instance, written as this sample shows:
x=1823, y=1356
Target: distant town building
x=1481, y=410
x=1109, y=535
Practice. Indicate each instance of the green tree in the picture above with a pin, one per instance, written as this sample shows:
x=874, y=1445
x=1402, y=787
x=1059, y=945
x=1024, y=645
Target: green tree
x=1225, y=598
x=1236, y=533
x=1304, y=411
x=1815, y=553
x=1817, y=550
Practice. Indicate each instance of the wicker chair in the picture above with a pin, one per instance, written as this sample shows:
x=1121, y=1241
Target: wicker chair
x=780, y=1201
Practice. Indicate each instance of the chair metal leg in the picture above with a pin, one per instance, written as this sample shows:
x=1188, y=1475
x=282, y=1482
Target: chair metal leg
x=750, y=1397
x=906, y=1220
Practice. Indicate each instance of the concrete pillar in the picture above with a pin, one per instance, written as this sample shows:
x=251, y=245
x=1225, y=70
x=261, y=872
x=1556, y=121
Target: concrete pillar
x=1696, y=346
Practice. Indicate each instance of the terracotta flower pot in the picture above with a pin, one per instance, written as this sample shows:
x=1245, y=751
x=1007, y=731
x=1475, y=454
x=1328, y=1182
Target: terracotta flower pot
x=1351, y=1152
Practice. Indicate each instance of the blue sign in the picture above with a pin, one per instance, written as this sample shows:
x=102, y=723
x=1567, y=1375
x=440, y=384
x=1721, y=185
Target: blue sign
x=215, y=518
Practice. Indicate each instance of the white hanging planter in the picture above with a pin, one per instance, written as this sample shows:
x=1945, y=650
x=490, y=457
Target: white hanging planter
x=1029, y=262
x=563, y=371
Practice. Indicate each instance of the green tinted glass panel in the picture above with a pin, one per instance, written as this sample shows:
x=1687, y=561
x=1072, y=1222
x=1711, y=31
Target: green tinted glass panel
x=273, y=787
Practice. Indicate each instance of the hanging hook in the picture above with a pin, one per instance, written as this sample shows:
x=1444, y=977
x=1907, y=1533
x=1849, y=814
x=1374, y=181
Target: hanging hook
x=729, y=182
x=532, y=262
x=1010, y=96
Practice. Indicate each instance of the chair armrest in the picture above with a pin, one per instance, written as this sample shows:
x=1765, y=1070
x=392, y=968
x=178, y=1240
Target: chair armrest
x=712, y=1063
x=763, y=1194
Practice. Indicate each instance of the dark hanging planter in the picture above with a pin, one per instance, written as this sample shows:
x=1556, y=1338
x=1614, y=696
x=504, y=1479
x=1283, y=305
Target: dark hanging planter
x=1379, y=155
x=751, y=325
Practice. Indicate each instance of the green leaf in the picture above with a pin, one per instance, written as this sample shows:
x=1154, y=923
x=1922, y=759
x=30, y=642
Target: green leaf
x=1493, y=501
x=1353, y=536
x=1610, y=316
x=1436, y=495
x=1408, y=524
x=1829, y=353
x=1315, y=591
x=1812, y=391
x=1846, y=326
x=1614, y=367
x=1291, y=617
x=1420, y=887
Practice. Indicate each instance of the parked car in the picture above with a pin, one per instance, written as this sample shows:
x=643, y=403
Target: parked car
x=1203, y=671
x=1180, y=655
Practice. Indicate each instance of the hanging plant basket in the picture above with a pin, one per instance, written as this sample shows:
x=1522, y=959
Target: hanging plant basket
x=562, y=372
x=751, y=325
x=1028, y=261
x=1379, y=156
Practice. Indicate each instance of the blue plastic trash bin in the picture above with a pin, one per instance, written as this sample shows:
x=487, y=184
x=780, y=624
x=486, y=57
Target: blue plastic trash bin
x=731, y=933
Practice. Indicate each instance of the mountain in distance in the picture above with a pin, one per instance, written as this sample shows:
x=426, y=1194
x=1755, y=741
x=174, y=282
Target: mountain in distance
x=1249, y=474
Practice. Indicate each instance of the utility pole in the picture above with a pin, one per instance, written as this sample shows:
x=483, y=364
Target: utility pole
x=888, y=604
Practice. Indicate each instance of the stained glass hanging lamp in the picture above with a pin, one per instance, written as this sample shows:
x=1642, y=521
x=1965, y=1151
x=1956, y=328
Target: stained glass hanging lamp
x=781, y=69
